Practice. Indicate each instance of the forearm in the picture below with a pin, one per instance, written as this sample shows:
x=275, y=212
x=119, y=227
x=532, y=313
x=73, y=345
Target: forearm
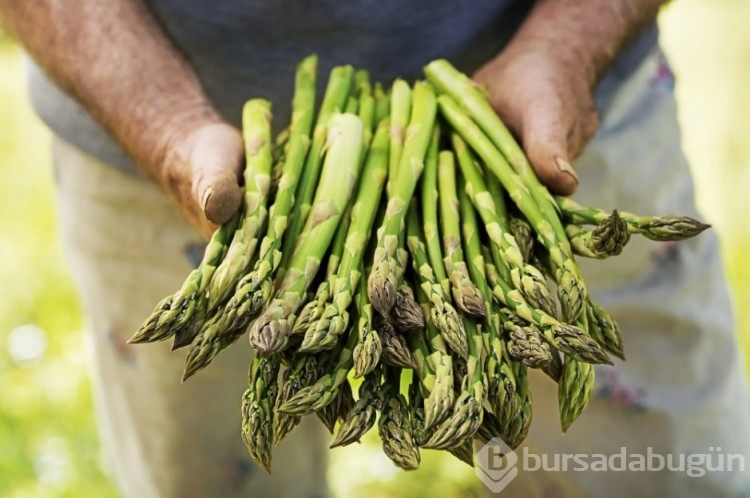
x=113, y=57
x=587, y=34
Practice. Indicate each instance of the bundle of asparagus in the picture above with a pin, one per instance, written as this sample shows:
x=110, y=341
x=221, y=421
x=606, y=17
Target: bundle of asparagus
x=435, y=315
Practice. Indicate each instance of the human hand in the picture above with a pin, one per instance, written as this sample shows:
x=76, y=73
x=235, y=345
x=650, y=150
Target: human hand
x=154, y=105
x=545, y=98
x=200, y=171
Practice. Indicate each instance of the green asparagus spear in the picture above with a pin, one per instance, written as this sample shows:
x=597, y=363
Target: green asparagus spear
x=387, y=266
x=369, y=348
x=256, y=131
x=313, y=398
x=254, y=290
x=509, y=259
x=607, y=239
x=395, y=428
x=334, y=318
x=659, y=228
x=270, y=332
x=257, y=417
x=362, y=416
x=465, y=293
x=571, y=289
x=334, y=100
x=574, y=390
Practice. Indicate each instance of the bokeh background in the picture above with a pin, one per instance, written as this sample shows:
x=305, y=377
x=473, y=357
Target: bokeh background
x=48, y=441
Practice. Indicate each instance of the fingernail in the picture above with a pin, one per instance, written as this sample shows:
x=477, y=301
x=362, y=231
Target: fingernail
x=565, y=167
x=206, y=197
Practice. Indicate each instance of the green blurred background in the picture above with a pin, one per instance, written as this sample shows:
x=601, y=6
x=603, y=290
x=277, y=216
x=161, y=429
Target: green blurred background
x=48, y=441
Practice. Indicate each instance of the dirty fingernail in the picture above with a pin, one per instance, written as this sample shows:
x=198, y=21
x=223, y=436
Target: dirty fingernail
x=565, y=167
x=206, y=197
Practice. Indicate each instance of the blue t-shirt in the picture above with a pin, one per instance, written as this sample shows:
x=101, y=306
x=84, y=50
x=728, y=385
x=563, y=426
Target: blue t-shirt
x=242, y=49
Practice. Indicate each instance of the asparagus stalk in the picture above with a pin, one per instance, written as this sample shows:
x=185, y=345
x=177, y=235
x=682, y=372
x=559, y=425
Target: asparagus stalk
x=501, y=380
x=395, y=427
x=505, y=403
x=427, y=256
x=316, y=397
x=658, y=228
x=442, y=314
x=400, y=112
x=518, y=426
x=219, y=333
x=313, y=309
x=467, y=411
x=334, y=101
x=387, y=266
x=369, y=348
x=256, y=125
x=363, y=415
x=175, y=313
x=148, y=331
x=526, y=344
x=303, y=373
x=342, y=403
x=607, y=239
x=536, y=294
x=395, y=348
x=416, y=410
x=187, y=334
x=382, y=103
x=406, y=315
x=254, y=290
x=476, y=267
x=571, y=286
x=366, y=109
x=465, y=293
x=270, y=332
x=334, y=318
x=509, y=260
x=563, y=337
x=257, y=417
x=574, y=390
x=435, y=373
x=603, y=328
x=429, y=191
x=352, y=105
x=208, y=342
x=524, y=236
x=278, y=157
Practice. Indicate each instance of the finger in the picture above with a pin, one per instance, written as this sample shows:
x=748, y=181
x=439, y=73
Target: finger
x=545, y=140
x=181, y=190
x=588, y=124
x=215, y=164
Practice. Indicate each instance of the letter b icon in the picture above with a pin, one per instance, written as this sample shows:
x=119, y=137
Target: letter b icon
x=496, y=465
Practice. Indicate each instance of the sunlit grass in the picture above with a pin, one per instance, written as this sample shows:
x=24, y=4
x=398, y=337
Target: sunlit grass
x=49, y=444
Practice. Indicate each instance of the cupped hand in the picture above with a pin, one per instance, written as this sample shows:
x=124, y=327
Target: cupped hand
x=201, y=170
x=546, y=100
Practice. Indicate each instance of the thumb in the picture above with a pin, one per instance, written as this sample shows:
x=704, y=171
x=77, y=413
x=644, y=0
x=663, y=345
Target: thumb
x=545, y=142
x=215, y=163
